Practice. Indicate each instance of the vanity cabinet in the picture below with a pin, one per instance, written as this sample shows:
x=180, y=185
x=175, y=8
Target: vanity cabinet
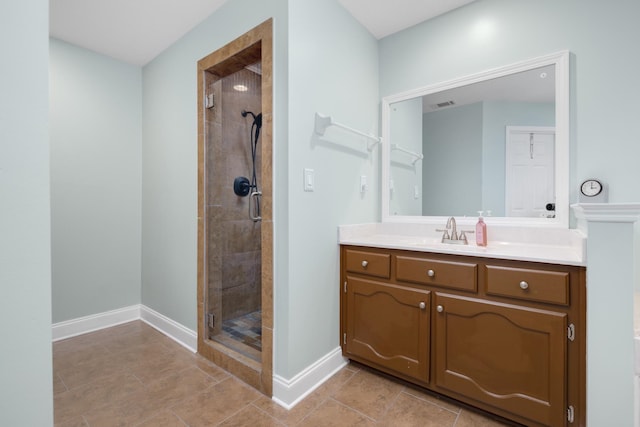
x=504, y=336
x=508, y=356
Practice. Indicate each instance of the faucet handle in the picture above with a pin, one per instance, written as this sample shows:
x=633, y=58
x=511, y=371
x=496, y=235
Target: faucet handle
x=463, y=235
x=445, y=236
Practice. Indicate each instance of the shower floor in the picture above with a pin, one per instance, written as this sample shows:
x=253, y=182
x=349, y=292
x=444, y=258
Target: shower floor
x=243, y=334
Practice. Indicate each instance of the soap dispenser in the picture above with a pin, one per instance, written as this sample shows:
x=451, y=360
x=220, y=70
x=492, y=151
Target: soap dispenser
x=481, y=231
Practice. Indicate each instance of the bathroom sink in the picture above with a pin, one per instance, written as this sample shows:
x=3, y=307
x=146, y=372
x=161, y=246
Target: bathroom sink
x=558, y=246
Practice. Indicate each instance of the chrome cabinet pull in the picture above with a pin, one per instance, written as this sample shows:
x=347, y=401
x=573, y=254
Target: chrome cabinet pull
x=524, y=285
x=440, y=308
x=365, y=263
x=431, y=273
x=422, y=305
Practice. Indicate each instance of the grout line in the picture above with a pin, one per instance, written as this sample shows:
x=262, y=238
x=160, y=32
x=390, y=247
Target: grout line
x=63, y=383
x=278, y=420
x=431, y=402
x=391, y=403
x=353, y=409
x=456, y=420
x=178, y=417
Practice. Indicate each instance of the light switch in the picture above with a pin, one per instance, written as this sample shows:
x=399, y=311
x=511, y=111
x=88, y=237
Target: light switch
x=416, y=192
x=309, y=180
x=363, y=183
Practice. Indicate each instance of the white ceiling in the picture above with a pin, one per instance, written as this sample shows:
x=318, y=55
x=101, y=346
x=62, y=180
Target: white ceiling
x=136, y=31
x=385, y=17
x=133, y=31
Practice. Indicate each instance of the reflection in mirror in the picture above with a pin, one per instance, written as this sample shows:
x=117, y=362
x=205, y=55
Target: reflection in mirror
x=497, y=142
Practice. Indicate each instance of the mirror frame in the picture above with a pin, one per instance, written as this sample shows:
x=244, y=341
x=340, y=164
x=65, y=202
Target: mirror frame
x=562, y=160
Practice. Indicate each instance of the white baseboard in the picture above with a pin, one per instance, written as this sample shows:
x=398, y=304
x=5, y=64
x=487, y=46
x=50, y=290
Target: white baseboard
x=287, y=393
x=83, y=325
x=174, y=330
x=95, y=322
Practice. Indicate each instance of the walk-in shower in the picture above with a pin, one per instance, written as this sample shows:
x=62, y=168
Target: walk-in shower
x=234, y=297
x=235, y=215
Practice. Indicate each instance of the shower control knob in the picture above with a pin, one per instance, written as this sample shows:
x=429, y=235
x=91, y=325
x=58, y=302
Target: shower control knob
x=431, y=273
x=365, y=263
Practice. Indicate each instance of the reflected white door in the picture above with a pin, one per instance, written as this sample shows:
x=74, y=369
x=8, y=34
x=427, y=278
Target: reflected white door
x=530, y=171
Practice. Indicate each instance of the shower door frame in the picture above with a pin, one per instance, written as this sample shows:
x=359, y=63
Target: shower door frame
x=244, y=48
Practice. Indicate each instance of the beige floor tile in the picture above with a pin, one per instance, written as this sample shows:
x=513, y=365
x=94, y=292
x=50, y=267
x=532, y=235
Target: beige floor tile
x=293, y=416
x=216, y=404
x=58, y=385
x=94, y=395
x=251, y=416
x=101, y=366
x=176, y=387
x=152, y=369
x=81, y=354
x=330, y=387
x=164, y=419
x=334, y=414
x=70, y=345
x=214, y=371
x=432, y=398
x=120, y=330
x=73, y=422
x=472, y=419
x=130, y=411
x=368, y=393
x=117, y=343
x=409, y=411
x=131, y=375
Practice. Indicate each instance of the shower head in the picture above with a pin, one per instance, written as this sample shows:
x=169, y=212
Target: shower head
x=245, y=113
x=257, y=120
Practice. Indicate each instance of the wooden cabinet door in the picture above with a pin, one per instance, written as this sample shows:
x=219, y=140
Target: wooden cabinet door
x=388, y=325
x=507, y=356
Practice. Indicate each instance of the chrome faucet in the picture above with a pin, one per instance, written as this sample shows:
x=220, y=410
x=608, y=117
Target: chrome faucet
x=453, y=237
x=451, y=225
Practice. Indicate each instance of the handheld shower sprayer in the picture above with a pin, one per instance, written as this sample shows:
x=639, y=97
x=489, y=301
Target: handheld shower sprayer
x=243, y=186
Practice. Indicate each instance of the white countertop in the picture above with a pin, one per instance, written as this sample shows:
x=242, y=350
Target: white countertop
x=548, y=245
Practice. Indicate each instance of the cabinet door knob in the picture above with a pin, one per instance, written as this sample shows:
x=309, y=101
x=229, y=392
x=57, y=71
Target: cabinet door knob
x=431, y=273
x=440, y=308
x=524, y=285
x=365, y=263
x=422, y=305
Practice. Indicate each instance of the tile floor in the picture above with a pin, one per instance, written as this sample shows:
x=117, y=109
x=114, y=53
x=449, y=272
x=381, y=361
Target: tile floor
x=132, y=375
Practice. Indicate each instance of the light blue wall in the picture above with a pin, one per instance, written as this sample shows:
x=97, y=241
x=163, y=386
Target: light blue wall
x=96, y=168
x=465, y=148
x=406, y=131
x=170, y=156
x=453, y=153
x=26, y=395
x=332, y=70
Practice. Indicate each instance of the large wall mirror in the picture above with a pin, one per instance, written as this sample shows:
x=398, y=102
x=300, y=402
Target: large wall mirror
x=496, y=141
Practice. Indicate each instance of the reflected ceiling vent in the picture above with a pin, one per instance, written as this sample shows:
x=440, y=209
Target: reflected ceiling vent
x=443, y=104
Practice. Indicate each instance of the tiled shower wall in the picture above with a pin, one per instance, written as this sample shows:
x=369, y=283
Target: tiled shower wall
x=233, y=239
